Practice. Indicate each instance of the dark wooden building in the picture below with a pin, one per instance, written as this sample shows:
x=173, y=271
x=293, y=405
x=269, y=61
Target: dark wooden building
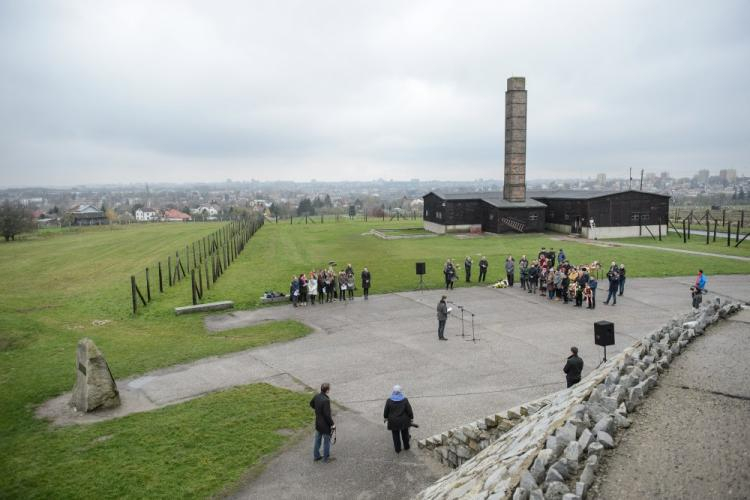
x=604, y=214
x=481, y=212
x=593, y=214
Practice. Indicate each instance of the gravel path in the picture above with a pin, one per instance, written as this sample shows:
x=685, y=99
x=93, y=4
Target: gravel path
x=691, y=437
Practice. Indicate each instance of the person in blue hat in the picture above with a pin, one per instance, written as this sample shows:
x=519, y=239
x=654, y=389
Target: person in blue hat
x=398, y=414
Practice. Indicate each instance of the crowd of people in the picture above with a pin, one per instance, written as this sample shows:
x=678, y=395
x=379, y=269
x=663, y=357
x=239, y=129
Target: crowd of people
x=550, y=274
x=327, y=285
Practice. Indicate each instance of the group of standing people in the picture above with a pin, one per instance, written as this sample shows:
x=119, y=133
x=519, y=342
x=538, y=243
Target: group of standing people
x=451, y=272
x=562, y=282
x=326, y=285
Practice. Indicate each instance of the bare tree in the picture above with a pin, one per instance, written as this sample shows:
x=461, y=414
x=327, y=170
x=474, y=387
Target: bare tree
x=14, y=219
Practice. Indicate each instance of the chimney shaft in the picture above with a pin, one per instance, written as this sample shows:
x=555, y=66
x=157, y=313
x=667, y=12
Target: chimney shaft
x=514, y=188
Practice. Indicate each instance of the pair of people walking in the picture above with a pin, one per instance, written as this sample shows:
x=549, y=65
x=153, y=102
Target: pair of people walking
x=397, y=413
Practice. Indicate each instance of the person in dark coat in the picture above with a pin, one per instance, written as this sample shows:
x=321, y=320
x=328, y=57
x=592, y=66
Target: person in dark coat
x=467, y=268
x=483, y=264
x=365, y=283
x=442, y=316
x=449, y=271
x=622, y=279
x=533, y=277
x=398, y=414
x=573, y=368
x=510, y=269
x=324, y=425
x=614, y=284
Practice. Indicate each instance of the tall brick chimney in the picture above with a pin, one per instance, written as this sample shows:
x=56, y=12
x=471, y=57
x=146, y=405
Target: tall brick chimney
x=514, y=188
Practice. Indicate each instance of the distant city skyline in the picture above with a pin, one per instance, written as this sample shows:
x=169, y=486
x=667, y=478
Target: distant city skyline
x=137, y=92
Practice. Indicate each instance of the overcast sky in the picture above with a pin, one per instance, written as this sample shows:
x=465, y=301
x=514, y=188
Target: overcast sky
x=130, y=91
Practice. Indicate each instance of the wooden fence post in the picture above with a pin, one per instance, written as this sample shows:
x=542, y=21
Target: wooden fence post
x=208, y=280
x=659, y=228
x=148, y=286
x=132, y=290
x=708, y=227
x=169, y=269
x=684, y=232
x=161, y=281
x=729, y=233
x=737, y=238
x=200, y=282
x=192, y=287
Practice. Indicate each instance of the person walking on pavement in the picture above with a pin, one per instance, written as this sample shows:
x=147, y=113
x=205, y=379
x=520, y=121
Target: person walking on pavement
x=614, y=285
x=398, y=414
x=573, y=367
x=467, y=268
x=622, y=279
x=483, y=264
x=442, y=316
x=324, y=425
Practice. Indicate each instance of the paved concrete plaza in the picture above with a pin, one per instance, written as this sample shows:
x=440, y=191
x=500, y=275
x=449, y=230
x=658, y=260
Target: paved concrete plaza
x=363, y=348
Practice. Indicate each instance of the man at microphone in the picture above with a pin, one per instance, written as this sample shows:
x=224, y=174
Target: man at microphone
x=442, y=316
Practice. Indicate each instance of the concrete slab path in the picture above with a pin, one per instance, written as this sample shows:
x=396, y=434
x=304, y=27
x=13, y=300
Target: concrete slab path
x=690, y=438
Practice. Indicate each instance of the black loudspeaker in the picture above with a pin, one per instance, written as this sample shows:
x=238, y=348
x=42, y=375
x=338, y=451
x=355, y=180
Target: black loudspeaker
x=604, y=333
x=421, y=269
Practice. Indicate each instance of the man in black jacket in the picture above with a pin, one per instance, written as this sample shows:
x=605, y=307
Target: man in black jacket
x=324, y=425
x=366, y=283
x=483, y=264
x=442, y=316
x=573, y=368
x=398, y=414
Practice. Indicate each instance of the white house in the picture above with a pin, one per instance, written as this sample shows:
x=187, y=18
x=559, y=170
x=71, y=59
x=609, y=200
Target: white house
x=205, y=210
x=146, y=214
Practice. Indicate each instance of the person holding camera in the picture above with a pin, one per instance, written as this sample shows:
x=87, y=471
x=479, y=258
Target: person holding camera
x=324, y=425
x=399, y=415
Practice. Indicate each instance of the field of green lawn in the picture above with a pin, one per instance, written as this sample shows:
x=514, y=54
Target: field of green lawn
x=280, y=250
x=56, y=285
x=696, y=243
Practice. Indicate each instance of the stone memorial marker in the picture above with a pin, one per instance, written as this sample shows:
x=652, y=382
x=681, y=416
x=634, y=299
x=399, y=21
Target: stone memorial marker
x=95, y=388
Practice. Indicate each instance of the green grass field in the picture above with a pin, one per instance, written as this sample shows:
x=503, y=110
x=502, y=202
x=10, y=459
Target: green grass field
x=57, y=284
x=696, y=243
x=280, y=250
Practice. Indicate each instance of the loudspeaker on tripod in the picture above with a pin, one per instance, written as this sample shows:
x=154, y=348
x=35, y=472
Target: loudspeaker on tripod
x=421, y=268
x=604, y=333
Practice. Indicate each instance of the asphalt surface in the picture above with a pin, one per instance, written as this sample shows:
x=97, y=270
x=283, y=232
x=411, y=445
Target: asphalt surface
x=363, y=348
x=691, y=436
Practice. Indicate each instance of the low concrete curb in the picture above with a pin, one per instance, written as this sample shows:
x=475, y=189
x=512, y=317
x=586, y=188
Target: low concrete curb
x=210, y=306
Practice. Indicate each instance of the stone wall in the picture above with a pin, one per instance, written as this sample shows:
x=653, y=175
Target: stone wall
x=553, y=452
x=455, y=446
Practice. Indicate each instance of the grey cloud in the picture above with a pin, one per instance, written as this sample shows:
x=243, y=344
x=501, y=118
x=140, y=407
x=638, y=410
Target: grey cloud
x=138, y=90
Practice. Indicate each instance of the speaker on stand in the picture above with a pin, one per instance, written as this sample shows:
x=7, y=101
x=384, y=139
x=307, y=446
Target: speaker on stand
x=604, y=335
x=421, y=271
